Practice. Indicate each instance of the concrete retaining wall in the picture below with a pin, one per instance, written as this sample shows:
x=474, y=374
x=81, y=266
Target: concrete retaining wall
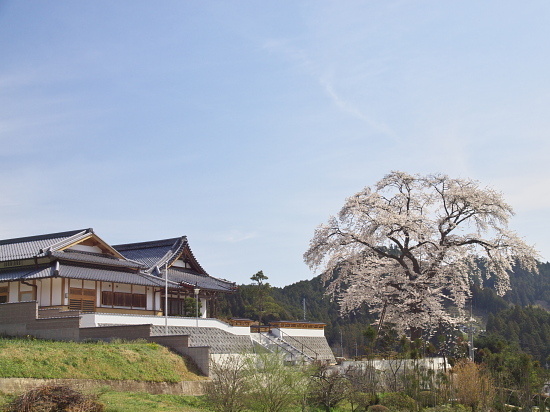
x=191, y=388
x=21, y=319
x=180, y=344
x=107, y=333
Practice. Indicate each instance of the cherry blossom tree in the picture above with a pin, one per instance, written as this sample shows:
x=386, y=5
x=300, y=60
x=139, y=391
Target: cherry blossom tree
x=410, y=246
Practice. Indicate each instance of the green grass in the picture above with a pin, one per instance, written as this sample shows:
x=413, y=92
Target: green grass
x=144, y=402
x=140, y=361
x=140, y=402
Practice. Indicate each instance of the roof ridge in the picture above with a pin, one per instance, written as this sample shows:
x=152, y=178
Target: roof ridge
x=67, y=241
x=73, y=255
x=150, y=243
x=42, y=237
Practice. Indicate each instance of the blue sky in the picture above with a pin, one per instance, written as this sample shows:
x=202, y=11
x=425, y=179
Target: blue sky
x=244, y=125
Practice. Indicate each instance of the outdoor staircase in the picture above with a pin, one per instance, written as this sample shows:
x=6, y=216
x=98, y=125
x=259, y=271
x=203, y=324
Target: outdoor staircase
x=275, y=344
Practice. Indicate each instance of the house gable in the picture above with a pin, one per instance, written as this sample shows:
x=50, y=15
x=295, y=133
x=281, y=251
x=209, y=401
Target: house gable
x=92, y=244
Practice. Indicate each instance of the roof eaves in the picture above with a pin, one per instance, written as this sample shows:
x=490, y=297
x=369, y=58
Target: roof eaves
x=195, y=259
x=182, y=243
x=172, y=255
x=159, y=280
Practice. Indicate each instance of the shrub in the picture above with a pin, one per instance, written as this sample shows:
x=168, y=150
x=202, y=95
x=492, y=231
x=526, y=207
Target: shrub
x=361, y=400
x=426, y=399
x=398, y=401
x=54, y=398
x=448, y=408
x=473, y=386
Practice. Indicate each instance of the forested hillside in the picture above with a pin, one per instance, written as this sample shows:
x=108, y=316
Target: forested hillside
x=527, y=289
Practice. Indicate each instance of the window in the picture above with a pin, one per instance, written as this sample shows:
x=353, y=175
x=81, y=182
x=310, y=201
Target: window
x=82, y=299
x=139, y=300
x=134, y=300
x=3, y=294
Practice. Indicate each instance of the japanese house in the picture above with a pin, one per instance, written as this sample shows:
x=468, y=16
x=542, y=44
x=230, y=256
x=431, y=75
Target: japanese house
x=77, y=270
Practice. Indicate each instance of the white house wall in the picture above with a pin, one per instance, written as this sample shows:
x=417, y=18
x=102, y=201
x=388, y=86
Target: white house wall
x=26, y=293
x=57, y=292
x=151, y=300
x=84, y=248
x=13, y=292
x=297, y=332
x=44, y=290
x=75, y=283
x=203, y=308
x=88, y=284
x=119, y=287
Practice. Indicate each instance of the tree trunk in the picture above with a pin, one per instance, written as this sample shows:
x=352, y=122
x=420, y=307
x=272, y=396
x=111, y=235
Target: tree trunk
x=416, y=333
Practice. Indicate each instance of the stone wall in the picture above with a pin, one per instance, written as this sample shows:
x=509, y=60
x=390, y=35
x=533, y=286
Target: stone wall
x=108, y=333
x=192, y=388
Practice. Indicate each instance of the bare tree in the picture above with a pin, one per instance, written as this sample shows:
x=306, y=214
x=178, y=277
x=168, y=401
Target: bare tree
x=274, y=385
x=328, y=387
x=227, y=392
x=412, y=242
x=362, y=388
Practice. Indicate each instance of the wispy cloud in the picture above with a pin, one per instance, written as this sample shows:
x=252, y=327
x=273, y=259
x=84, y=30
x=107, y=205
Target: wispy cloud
x=236, y=236
x=353, y=110
x=321, y=70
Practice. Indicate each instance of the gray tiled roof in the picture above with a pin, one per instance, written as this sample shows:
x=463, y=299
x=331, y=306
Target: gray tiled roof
x=145, y=257
x=148, y=253
x=154, y=254
x=29, y=247
x=218, y=340
x=192, y=278
x=97, y=258
x=106, y=275
x=26, y=273
x=85, y=273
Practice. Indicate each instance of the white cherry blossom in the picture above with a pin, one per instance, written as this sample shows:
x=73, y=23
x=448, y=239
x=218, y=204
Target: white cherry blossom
x=410, y=246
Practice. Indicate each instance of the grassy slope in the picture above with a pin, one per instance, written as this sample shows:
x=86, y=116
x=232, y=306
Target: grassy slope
x=27, y=358
x=144, y=402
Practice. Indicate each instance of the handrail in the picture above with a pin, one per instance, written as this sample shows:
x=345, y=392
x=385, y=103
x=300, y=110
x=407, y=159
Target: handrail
x=296, y=340
x=295, y=348
x=278, y=345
